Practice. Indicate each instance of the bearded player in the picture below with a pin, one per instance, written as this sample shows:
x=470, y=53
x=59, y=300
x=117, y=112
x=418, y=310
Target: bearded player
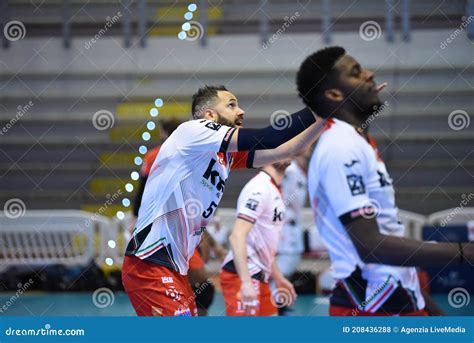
x=184, y=188
x=352, y=196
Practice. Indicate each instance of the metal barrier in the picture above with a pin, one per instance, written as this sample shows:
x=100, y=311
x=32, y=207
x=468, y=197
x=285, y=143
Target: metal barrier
x=70, y=237
x=457, y=215
x=42, y=237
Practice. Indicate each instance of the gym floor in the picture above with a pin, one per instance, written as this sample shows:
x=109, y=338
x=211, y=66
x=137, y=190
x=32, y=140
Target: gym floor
x=81, y=304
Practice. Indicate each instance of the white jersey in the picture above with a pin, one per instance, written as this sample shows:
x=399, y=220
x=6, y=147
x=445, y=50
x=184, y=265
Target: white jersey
x=347, y=176
x=294, y=187
x=183, y=190
x=261, y=203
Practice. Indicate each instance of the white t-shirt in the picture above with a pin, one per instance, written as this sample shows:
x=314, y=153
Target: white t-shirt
x=346, y=174
x=261, y=203
x=183, y=190
x=294, y=187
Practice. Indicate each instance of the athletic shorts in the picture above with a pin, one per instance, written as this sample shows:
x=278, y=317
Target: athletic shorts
x=156, y=290
x=196, y=261
x=347, y=311
x=230, y=284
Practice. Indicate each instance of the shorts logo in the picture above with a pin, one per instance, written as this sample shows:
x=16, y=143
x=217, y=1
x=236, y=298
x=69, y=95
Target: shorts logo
x=356, y=184
x=251, y=204
x=173, y=293
x=166, y=279
x=186, y=312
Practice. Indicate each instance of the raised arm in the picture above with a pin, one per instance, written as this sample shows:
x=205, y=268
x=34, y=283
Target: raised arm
x=272, y=136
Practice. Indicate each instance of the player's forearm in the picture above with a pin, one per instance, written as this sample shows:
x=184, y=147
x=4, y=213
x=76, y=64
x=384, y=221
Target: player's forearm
x=405, y=252
x=289, y=149
x=275, y=134
x=239, y=250
x=276, y=273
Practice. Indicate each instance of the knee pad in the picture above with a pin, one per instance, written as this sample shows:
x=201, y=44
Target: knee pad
x=204, y=293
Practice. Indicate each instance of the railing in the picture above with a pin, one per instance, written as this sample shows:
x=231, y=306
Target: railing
x=70, y=237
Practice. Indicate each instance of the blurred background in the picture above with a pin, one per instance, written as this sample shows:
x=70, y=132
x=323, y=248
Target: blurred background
x=85, y=84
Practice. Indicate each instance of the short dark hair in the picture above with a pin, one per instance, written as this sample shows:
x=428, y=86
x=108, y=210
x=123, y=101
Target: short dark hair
x=311, y=77
x=203, y=97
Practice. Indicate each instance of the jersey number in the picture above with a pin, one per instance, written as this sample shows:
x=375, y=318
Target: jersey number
x=207, y=213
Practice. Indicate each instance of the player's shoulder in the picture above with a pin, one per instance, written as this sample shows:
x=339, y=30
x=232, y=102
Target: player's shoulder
x=197, y=125
x=259, y=184
x=338, y=138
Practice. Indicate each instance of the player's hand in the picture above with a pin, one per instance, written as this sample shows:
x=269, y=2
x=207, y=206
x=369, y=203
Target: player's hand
x=286, y=292
x=248, y=296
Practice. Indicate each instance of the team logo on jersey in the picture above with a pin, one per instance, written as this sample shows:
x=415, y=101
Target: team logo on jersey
x=173, y=293
x=348, y=165
x=252, y=204
x=277, y=215
x=214, y=177
x=383, y=179
x=166, y=279
x=213, y=126
x=356, y=184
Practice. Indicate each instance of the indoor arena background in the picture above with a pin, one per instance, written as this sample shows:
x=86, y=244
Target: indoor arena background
x=83, y=84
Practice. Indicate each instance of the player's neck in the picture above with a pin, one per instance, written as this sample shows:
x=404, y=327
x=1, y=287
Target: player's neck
x=360, y=124
x=276, y=175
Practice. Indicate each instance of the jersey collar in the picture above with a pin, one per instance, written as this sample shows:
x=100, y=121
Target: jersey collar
x=272, y=180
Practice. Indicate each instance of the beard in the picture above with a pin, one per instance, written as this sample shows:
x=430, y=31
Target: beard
x=224, y=121
x=364, y=107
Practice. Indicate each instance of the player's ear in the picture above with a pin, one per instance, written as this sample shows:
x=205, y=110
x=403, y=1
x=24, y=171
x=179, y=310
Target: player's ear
x=210, y=114
x=334, y=94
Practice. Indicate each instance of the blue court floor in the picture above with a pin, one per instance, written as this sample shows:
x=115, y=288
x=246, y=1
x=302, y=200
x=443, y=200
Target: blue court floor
x=81, y=304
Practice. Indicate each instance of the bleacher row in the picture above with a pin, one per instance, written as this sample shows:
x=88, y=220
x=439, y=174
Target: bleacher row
x=37, y=238
x=54, y=158
x=164, y=17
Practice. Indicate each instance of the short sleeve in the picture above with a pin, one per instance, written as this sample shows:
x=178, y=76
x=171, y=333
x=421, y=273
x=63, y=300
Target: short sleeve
x=251, y=203
x=203, y=135
x=344, y=178
x=239, y=160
